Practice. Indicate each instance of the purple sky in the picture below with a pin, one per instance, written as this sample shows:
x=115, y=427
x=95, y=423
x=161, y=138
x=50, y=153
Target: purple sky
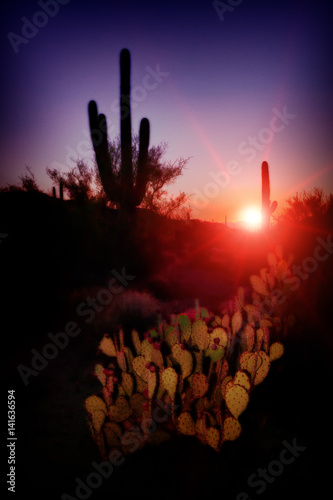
x=222, y=88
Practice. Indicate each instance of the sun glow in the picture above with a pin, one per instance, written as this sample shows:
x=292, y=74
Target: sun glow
x=252, y=218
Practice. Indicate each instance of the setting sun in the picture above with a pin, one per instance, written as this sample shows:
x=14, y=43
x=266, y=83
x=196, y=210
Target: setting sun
x=252, y=218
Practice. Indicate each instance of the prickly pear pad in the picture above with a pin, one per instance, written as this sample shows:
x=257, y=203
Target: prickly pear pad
x=237, y=399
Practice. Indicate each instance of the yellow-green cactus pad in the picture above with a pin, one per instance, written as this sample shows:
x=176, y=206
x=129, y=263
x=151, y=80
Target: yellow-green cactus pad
x=231, y=429
x=213, y=438
x=199, y=385
x=127, y=383
x=259, y=338
x=263, y=369
x=152, y=380
x=253, y=313
x=281, y=269
x=217, y=321
x=121, y=391
x=236, y=322
x=217, y=345
x=157, y=358
x=244, y=360
x=121, y=360
x=257, y=364
x=259, y=285
x=220, y=334
x=249, y=337
x=184, y=358
x=170, y=379
x=242, y=378
x=200, y=334
x=265, y=323
x=200, y=425
x=129, y=358
x=237, y=399
x=94, y=403
x=185, y=327
x=215, y=352
x=107, y=346
x=186, y=424
x=224, y=384
x=139, y=366
x=171, y=335
x=146, y=350
x=97, y=420
x=225, y=321
x=272, y=259
x=276, y=350
x=99, y=372
x=121, y=410
x=141, y=385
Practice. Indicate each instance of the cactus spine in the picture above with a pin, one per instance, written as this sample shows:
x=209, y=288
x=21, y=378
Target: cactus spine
x=267, y=207
x=123, y=190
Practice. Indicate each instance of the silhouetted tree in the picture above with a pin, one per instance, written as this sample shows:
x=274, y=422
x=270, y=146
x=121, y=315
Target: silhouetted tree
x=28, y=183
x=308, y=204
x=161, y=173
x=84, y=183
x=78, y=182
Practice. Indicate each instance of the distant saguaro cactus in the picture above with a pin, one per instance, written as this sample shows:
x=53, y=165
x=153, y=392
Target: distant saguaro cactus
x=267, y=207
x=123, y=190
x=61, y=189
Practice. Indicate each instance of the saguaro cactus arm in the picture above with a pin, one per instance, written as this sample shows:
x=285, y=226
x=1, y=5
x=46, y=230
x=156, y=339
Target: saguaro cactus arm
x=98, y=132
x=142, y=176
x=265, y=189
x=267, y=207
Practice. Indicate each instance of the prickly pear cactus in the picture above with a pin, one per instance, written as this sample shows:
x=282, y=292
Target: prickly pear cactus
x=192, y=375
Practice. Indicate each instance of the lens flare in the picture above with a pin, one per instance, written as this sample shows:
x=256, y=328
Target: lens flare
x=252, y=218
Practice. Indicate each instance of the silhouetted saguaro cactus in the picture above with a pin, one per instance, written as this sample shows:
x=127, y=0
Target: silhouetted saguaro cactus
x=267, y=207
x=122, y=189
x=61, y=189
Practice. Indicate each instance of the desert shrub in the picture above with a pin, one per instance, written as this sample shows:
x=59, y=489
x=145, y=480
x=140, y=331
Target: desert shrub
x=308, y=205
x=28, y=183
